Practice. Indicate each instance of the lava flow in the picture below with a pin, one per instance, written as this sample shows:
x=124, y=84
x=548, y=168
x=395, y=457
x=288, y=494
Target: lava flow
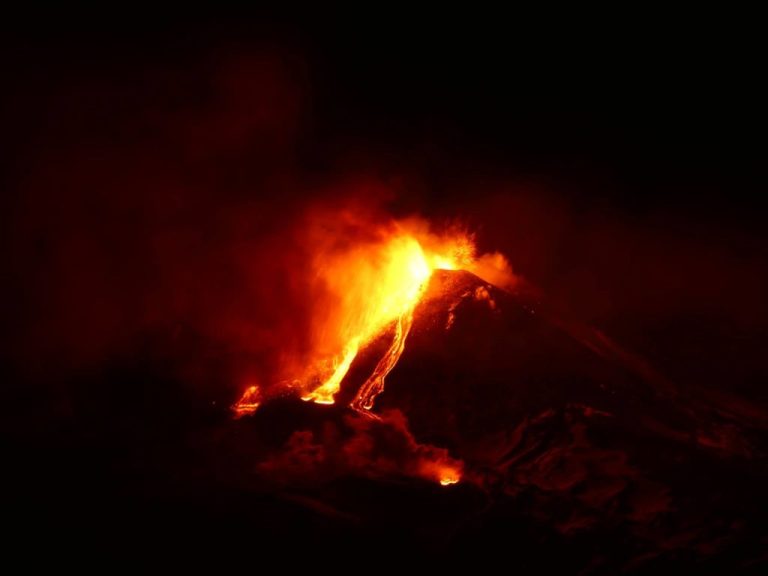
x=383, y=284
x=369, y=285
x=367, y=280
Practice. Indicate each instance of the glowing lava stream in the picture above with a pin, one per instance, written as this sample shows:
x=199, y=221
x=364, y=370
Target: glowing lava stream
x=362, y=288
x=361, y=282
x=397, y=283
x=375, y=383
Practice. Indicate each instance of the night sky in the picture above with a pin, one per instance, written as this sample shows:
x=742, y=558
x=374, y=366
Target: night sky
x=155, y=168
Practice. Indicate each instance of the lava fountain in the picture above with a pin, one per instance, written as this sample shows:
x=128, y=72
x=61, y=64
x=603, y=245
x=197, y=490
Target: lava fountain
x=371, y=284
x=368, y=280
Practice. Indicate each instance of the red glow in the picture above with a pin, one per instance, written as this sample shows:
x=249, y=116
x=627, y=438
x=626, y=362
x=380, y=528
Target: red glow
x=248, y=402
x=368, y=277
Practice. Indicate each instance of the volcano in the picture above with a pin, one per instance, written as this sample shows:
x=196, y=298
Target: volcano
x=288, y=291
x=554, y=449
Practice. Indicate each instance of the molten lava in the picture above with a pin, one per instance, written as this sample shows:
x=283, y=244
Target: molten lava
x=449, y=476
x=366, y=286
x=248, y=402
x=367, y=280
x=378, y=284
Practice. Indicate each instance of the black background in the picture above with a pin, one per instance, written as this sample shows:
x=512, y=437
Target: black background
x=617, y=160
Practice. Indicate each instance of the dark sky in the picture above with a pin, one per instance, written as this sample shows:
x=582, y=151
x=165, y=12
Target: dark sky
x=618, y=162
x=156, y=174
x=641, y=103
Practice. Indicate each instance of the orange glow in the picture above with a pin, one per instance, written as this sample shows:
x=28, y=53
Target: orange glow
x=366, y=278
x=324, y=393
x=448, y=475
x=375, y=384
x=248, y=402
x=446, y=471
x=375, y=283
